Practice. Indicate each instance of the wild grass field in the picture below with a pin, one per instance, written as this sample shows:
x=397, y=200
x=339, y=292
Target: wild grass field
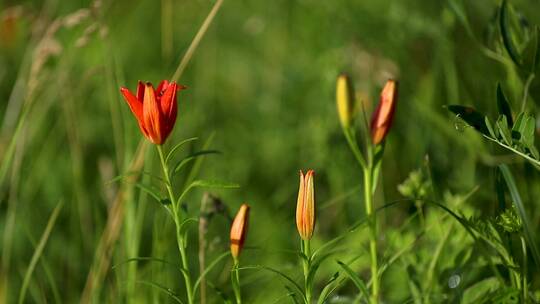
x=412, y=124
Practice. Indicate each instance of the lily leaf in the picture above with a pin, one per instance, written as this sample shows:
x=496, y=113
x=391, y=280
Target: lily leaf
x=503, y=106
x=472, y=117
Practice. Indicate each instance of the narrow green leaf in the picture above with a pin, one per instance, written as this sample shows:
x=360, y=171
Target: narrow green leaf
x=187, y=221
x=516, y=198
x=506, y=35
x=150, y=259
x=504, y=131
x=531, y=52
x=462, y=17
x=377, y=161
x=181, y=164
x=503, y=106
x=220, y=293
x=536, y=65
x=151, y=191
x=178, y=146
x=490, y=128
x=315, y=266
x=162, y=288
x=518, y=123
x=472, y=117
x=133, y=173
x=292, y=294
x=357, y=281
x=281, y=274
x=198, y=162
x=208, y=269
x=528, y=130
x=206, y=184
x=39, y=251
x=329, y=288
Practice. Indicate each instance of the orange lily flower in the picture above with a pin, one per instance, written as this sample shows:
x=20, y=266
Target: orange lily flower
x=239, y=230
x=305, y=207
x=155, y=110
x=381, y=120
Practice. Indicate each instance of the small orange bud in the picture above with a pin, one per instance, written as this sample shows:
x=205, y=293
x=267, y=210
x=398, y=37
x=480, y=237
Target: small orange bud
x=345, y=100
x=381, y=120
x=305, y=207
x=239, y=230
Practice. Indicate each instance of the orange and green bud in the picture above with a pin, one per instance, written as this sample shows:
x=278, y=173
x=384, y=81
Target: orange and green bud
x=345, y=100
x=305, y=207
x=239, y=230
x=381, y=120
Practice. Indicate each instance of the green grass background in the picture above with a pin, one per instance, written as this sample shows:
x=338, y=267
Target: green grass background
x=262, y=81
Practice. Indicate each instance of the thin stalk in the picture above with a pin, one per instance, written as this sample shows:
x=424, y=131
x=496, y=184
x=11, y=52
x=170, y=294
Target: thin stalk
x=180, y=239
x=306, y=250
x=526, y=91
x=354, y=146
x=235, y=279
x=368, y=198
x=524, y=270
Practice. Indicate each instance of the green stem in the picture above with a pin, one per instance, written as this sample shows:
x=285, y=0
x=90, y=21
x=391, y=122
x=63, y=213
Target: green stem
x=524, y=270
x=526, y=91
x=349, y=135
x=306, y=250
x=235, y=279
x=368, y=198
x=180, y=239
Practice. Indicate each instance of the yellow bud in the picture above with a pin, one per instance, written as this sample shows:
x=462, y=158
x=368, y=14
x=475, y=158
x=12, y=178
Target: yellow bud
x=345, y=100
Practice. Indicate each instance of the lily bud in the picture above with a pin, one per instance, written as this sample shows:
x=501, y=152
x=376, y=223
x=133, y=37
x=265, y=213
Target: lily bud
x=345, y=100
x=239, y=230
x=381, y=120
x=155, y=110
x=305, y=207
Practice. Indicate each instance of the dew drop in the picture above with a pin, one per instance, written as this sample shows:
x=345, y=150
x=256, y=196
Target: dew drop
x=454, y=281
x=459, y=124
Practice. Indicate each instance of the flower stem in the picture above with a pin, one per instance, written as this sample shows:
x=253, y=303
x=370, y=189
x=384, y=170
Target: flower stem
x=180, y=239
x=235, y=279
x=306, y=250
x=368, y=198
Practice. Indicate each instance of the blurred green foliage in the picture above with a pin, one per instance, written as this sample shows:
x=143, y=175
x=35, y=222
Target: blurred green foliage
x=262, y=81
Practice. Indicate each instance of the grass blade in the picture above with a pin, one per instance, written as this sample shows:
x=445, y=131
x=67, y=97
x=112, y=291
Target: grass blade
x=196, y=40
x=357, y=281
x=208, y=269
x=162, y=288
x=39, y=251
x=178, y=146
x=516, y=198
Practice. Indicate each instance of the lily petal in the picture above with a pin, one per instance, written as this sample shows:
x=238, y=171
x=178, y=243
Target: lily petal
x=140, y=91
x=152, y=115
x=163, y=85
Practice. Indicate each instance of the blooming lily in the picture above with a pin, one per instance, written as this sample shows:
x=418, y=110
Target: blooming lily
x=155, y=110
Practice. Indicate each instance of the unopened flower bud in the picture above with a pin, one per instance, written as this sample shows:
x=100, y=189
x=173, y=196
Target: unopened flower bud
x=345, y=100
x=239, y=230
x=381, y=120
x=305, y=208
